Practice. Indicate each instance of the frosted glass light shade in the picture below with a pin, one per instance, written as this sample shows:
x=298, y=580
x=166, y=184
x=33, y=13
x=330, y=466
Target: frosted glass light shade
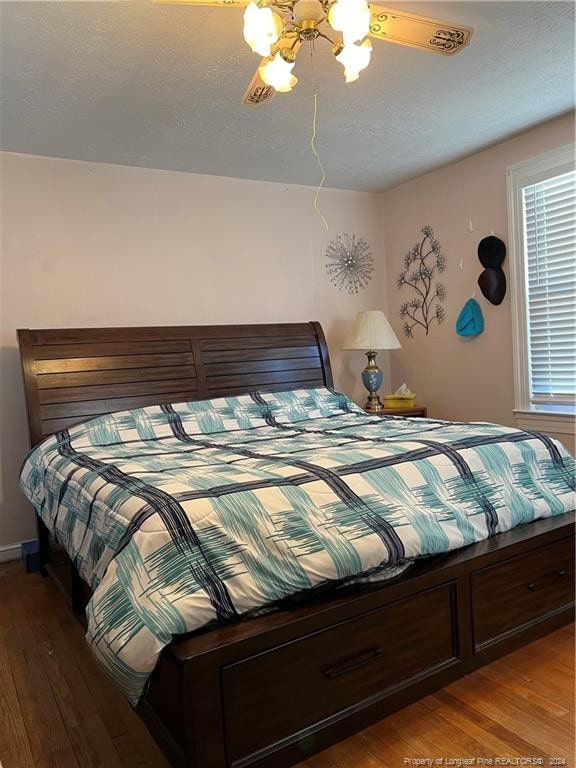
x=351, y=18
x=354, y=58
x=278, y=73
x=262, y=28
x=371, y=331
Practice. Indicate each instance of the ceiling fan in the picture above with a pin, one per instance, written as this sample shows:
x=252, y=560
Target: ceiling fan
x=276, y=30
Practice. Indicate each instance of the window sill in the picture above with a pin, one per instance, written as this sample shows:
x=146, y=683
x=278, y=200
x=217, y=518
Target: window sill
x=543, y=421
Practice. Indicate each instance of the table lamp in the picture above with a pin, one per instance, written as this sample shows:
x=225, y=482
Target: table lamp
x=371, y=332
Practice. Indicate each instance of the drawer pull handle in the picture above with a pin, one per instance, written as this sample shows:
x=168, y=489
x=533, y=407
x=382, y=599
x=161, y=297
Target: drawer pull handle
x=533, y=587
x=350, y=666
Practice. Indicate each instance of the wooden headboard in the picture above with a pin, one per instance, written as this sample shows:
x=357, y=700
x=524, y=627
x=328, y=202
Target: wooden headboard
x=71, y=375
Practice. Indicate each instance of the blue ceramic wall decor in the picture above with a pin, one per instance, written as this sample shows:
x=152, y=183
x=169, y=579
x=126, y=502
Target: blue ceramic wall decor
x=470, y=320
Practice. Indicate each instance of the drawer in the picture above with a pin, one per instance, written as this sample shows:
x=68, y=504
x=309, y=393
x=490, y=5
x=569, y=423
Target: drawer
x=521, y=590
x=359, y=660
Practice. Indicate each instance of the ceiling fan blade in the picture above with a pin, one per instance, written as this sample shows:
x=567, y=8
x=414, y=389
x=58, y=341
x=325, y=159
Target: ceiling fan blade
x=258, y=92
x=232, y=3
x=418, y=31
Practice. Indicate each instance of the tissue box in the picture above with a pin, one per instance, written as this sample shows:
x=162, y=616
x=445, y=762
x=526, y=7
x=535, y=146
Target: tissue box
x=399, y=401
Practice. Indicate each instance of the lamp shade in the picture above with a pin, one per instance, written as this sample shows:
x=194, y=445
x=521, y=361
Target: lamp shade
x=371, y=331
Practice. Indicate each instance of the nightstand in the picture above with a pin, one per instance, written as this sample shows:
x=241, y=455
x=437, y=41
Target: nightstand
x=419, y=411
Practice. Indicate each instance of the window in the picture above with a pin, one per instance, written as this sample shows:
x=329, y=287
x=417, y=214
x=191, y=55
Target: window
x=549, y=252
x=542, y=226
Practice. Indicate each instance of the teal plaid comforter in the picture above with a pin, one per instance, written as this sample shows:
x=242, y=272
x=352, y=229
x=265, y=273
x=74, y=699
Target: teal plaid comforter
x=182, y=515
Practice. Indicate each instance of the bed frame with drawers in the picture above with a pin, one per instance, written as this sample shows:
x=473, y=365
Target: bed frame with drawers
x=271, y=691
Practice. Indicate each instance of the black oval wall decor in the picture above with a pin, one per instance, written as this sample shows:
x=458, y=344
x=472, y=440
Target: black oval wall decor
x=492, y=281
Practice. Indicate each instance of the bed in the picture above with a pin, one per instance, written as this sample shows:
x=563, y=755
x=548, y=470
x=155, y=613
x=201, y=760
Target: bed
x=276, y=688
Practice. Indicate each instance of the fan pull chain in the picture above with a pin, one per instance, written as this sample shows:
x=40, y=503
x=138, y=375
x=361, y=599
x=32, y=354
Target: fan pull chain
x=313, y=143
x=323, y=179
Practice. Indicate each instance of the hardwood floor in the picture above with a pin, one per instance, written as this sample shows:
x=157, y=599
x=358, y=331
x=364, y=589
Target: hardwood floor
x=58, y=711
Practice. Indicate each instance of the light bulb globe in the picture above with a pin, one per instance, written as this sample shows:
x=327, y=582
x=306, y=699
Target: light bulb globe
x=351, y=18
x=354, y=58
x=278, y=73
x=262, y=28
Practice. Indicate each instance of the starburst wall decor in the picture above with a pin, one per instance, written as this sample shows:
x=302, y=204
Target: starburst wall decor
x=349, y=263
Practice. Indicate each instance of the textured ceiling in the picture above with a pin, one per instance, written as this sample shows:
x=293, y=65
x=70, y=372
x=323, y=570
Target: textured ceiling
x=160, y=86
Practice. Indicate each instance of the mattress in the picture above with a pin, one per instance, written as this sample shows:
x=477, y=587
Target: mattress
x=182, y=515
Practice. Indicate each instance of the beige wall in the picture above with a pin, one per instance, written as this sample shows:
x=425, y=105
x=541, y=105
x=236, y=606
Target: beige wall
x=89, y=244
x=457, y=378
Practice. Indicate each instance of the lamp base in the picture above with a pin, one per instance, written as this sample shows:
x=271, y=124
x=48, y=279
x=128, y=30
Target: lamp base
x=372, y=378
x=373, y=404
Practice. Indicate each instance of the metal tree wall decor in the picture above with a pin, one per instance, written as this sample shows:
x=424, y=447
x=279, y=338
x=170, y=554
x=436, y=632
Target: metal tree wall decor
x=422, y=262
x=349, y=263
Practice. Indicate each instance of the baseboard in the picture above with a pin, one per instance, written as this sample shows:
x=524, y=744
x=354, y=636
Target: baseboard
x=10, y=552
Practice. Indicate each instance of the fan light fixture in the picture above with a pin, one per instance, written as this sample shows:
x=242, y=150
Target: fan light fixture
x=277, y=29
x=263, y=28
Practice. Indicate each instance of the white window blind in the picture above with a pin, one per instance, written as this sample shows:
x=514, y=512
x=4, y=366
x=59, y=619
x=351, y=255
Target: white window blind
x=550, y=253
